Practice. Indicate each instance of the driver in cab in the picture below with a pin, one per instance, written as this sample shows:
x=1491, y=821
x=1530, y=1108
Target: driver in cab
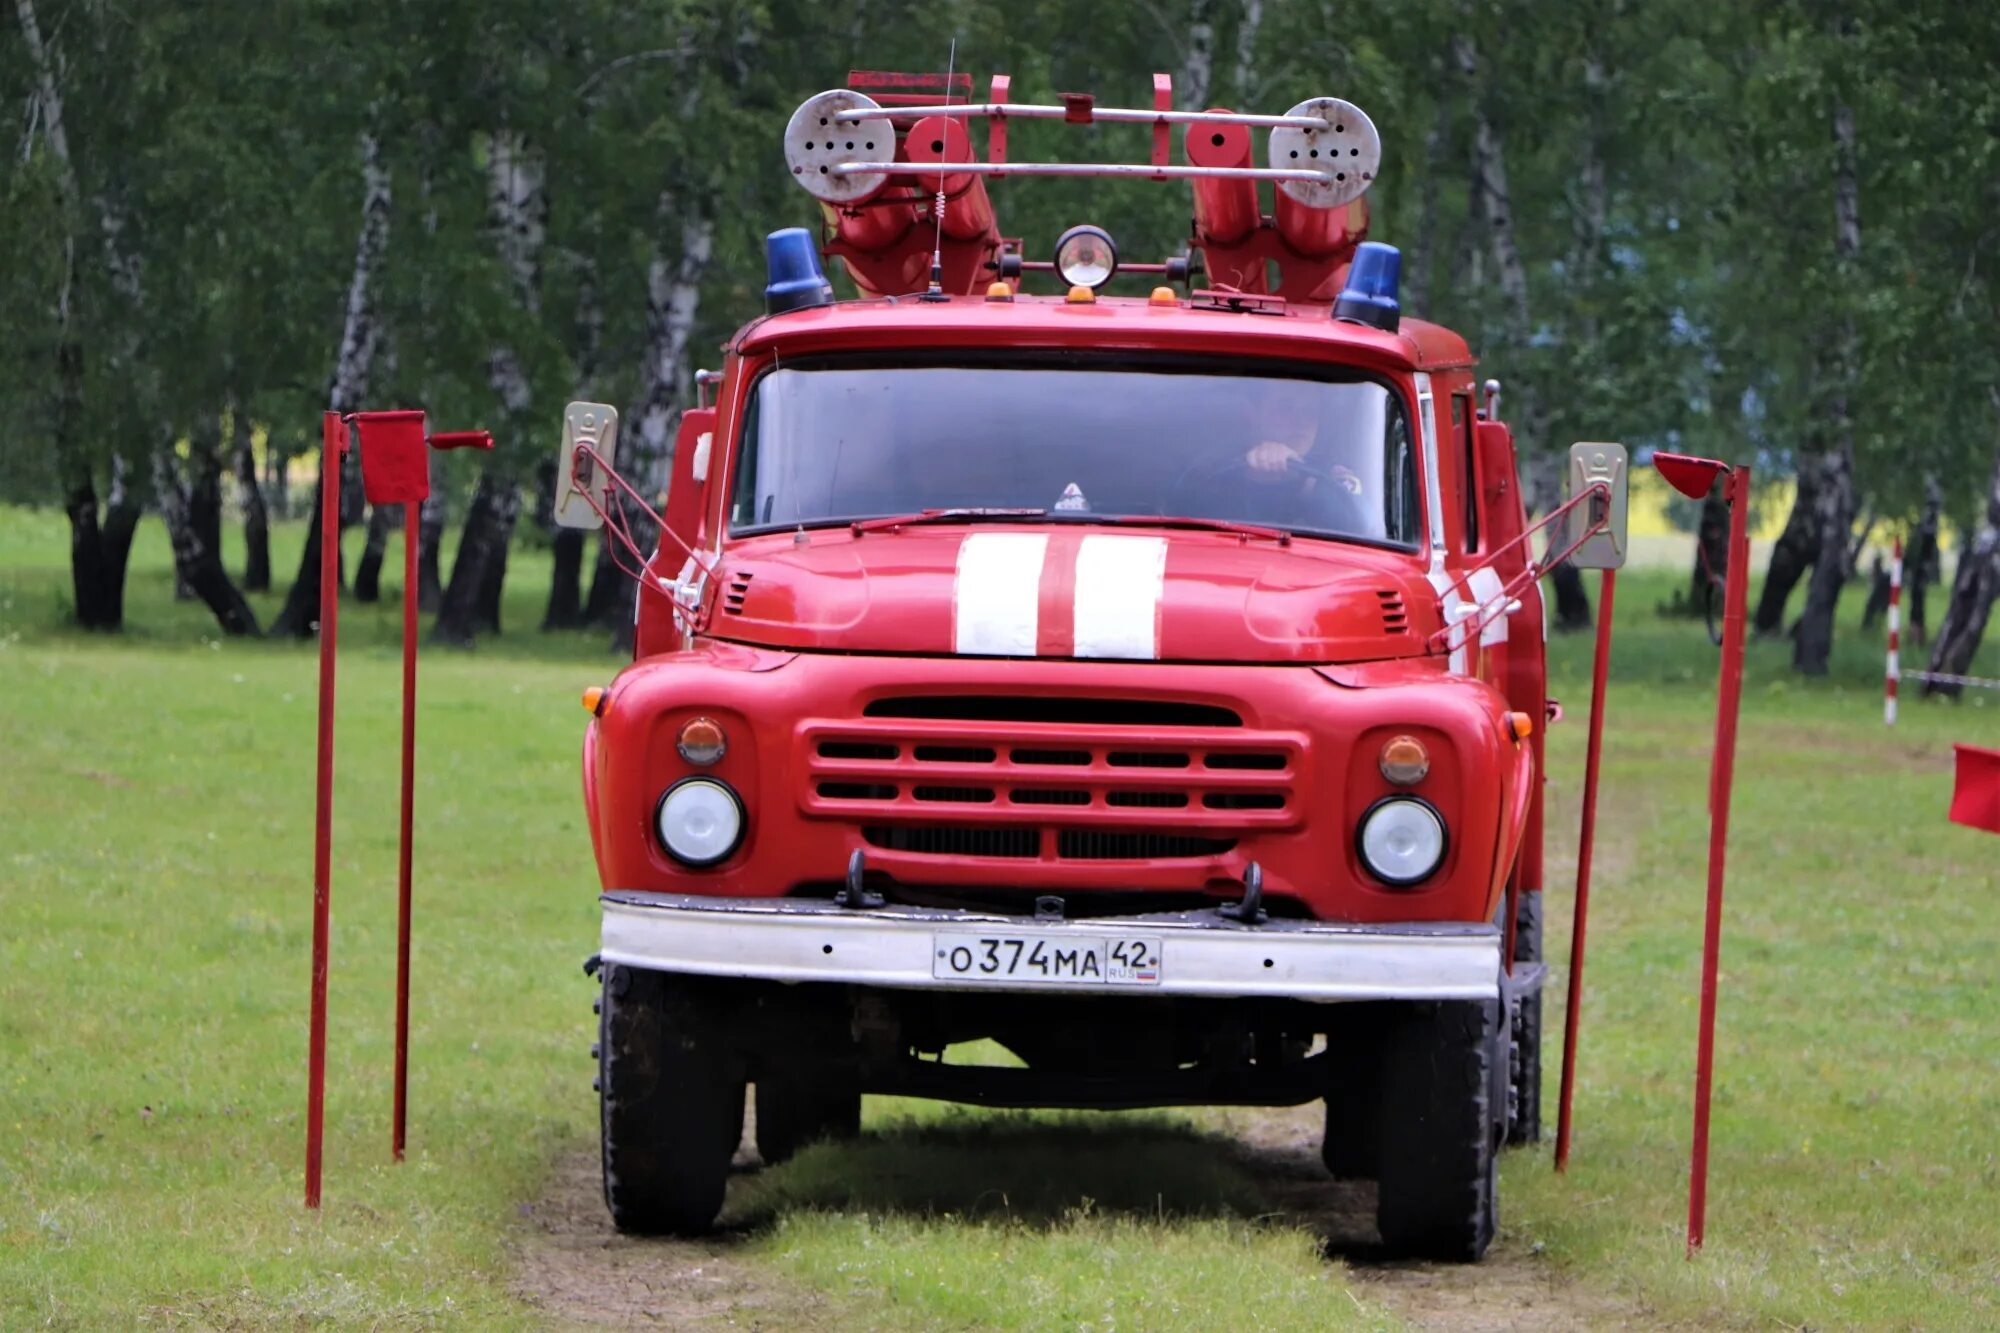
x=1283, y=478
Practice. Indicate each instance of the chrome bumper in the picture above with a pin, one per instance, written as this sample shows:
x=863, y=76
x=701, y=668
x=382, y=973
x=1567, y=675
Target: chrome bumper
x=1202, y=954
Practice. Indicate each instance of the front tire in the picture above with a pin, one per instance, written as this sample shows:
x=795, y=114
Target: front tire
x=1439, y=1170
x=671, y=1097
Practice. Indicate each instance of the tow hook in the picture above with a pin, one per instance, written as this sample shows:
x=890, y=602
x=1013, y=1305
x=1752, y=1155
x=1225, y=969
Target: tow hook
x=1048, y=908
x=857, y=894
x=1251, y=910
x=592, y=963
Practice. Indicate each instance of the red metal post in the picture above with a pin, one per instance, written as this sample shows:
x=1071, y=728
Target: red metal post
x=1736, y=593
x=333, y=443
x=1586, y=844
x=412, y=517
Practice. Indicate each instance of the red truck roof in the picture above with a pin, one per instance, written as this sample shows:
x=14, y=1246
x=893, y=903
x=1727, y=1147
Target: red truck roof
x=1202, y=324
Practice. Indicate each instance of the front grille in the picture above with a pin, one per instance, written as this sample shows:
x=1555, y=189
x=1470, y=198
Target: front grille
x=1092, y=845
x=1012, y=843
x=1051, y=779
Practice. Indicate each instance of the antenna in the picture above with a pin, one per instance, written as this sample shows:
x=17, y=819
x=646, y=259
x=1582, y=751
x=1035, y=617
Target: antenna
x=936, y=290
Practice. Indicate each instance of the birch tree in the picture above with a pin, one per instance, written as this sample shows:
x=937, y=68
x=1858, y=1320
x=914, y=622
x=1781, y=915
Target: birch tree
x=354, y=361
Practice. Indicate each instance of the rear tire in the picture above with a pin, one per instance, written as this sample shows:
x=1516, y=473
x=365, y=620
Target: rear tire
x=1524, y=1068
x=1439, y=1170
x=793, y=1114
x=671, y=1097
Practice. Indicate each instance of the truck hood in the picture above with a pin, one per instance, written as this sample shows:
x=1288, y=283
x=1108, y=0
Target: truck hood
x=1065, y=590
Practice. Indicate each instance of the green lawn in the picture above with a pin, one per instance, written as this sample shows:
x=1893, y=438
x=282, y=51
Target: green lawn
x=154, y=926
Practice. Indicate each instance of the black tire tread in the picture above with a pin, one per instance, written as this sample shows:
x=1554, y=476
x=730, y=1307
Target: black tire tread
x=671, y=1101
x=1437, y=1183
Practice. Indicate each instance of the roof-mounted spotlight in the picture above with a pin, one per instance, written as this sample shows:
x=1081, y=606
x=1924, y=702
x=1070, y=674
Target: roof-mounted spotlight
x=796, y=280
x=1085, y=257
x=1372, y=279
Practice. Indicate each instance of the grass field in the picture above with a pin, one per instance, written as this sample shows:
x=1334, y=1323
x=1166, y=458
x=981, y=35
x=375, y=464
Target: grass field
x=154, y=924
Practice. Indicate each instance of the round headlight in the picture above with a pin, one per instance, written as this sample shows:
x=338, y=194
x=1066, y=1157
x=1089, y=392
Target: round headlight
x=700, y=821
x=1085, y=257
x=1401, y=840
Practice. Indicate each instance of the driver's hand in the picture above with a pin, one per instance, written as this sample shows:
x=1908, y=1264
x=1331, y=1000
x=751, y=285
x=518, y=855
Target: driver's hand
x=1271, y=458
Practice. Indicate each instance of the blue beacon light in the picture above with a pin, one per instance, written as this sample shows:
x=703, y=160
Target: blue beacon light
x=1370, y=297
x=796, y=280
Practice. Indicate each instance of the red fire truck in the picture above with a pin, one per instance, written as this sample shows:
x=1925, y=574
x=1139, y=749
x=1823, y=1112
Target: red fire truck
x=1150, y=685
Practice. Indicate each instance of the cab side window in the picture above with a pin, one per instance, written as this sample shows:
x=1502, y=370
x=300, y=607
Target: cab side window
x=1463, y=428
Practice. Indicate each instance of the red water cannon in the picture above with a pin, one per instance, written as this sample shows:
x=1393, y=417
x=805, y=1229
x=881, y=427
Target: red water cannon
x=892, y=151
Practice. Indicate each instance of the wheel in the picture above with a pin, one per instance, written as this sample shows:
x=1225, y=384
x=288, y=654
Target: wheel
x=793, y=1113
x=671, y=1095
x=1524, y=1071
x=1524, y=1068
x=1439, y=1170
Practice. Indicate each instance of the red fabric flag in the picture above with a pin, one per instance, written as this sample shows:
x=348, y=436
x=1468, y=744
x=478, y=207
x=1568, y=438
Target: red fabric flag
x=1975, y=798
x=394, y=468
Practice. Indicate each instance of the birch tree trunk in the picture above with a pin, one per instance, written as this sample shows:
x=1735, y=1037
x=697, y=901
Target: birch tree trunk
x=347, y=388
x=196, y=561
x=1834, y=507
x=100, y=545
x=1920, y=566
x=1973, y=589
x=673, y=299
x=517, y=205
x=250, y=498
x=1198, y=68
x=1249, y=20
x=1797, y=546
x=382, y=520
x=565, y=608
x=1541, y=466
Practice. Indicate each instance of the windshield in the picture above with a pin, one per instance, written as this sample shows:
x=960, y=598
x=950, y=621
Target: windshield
x=832, y=444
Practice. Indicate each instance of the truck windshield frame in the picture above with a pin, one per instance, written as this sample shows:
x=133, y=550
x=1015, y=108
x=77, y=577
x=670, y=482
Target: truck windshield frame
x=1319, y=450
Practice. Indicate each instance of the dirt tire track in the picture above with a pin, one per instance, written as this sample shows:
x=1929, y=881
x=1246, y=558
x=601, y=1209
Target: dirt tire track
x=571, y=1265
x=1511, y=1288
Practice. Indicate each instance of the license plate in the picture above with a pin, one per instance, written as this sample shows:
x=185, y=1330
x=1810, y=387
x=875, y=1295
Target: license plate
x=1029, y=956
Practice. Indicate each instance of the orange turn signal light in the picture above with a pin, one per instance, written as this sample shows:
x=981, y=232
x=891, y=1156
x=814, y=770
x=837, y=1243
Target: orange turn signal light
x=1405, y=761
x=1080, y=296
x=1520, y=725
x=1000, y=291
x=594, y=700
x=701, y=741
x=1163, y=296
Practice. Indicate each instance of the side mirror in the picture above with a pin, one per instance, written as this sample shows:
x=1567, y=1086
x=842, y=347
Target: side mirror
x=595, y=425
x=1591, y=465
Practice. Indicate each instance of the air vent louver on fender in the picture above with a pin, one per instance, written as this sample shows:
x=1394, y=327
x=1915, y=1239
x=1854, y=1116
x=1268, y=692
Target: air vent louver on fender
x=732, y=598
x=1395, y=617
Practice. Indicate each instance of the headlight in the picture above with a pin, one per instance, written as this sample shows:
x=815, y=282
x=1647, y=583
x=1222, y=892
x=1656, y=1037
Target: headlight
x=1085, y=257
x=1401, y=840
x=700, y=821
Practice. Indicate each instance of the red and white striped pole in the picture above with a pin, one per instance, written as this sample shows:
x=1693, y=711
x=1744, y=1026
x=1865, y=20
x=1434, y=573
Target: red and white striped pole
x=1893, y=673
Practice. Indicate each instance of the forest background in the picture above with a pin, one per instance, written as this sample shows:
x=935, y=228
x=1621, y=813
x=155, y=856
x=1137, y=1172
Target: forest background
x=1764, y=232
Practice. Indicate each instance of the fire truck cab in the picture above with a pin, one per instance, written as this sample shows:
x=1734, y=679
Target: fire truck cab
x=1148, y=685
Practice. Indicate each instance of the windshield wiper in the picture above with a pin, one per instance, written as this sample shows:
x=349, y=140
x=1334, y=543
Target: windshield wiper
x=1278, y=535
x=887, y=522
x=936, y=516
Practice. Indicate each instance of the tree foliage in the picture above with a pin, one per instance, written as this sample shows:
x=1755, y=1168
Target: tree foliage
x=1663, y=268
